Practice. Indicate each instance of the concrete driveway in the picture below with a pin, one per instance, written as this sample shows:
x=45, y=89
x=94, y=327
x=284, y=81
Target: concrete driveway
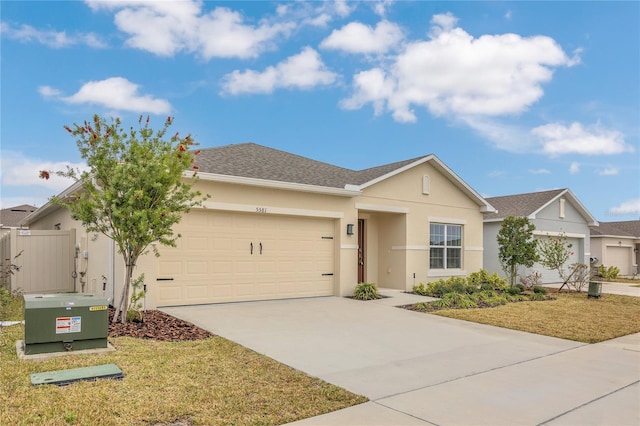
x=423, y=369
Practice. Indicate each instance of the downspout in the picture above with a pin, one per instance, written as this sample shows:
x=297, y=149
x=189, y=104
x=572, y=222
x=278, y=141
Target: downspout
x=112, y=269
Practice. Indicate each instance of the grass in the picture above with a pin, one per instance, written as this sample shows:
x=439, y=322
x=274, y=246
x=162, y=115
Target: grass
x=10, y=306
x=570, y=316
x=205, y=382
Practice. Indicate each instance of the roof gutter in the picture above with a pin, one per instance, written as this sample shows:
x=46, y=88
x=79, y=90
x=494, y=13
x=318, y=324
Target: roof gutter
x=274, y=184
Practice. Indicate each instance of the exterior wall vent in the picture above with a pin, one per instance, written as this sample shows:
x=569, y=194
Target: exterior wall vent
x=426, y=186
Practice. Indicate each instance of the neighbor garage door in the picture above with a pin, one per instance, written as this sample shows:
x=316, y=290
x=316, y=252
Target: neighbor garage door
x=551, y=276
x=620, y=257
x=230, y=257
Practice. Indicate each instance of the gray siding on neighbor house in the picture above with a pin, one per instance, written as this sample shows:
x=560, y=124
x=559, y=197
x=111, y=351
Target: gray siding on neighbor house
x=573, y=224
x=490, y=250
x=547, y=219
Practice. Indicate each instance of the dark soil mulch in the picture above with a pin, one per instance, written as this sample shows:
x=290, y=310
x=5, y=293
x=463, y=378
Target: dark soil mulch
x=159, y=326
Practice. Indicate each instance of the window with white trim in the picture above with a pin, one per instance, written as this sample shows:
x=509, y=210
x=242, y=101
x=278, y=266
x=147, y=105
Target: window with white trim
x=445, y=246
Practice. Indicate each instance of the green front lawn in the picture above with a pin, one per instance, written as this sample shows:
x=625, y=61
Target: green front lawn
x=203, y=382
x=570, y=316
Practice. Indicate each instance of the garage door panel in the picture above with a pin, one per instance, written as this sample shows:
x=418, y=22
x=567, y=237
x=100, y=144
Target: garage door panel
x=619, y=257
x=213, y=261
x=221, y=267
x=552, y=276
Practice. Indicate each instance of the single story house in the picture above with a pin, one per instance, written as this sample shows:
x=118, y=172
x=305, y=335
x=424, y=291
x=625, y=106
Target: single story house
x=279, y=225
x=553, y=213
x=11, y=217
x=617, y=244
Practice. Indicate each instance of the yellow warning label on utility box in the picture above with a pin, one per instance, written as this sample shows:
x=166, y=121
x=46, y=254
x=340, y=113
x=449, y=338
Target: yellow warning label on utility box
x=98, y=308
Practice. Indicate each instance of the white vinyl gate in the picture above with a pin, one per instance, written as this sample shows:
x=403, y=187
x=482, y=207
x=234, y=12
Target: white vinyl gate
x=46, y=260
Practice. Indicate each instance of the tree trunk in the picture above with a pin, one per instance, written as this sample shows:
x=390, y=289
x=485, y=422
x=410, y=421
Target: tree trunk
x=121, y=309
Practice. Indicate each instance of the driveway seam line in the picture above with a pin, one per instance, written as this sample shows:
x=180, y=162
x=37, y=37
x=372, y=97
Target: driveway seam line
x=587, y=403
x=480, y=372
x=406, y=414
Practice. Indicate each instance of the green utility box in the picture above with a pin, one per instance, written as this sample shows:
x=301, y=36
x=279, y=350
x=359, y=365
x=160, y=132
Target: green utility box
x=64, y=322
x=595, y=289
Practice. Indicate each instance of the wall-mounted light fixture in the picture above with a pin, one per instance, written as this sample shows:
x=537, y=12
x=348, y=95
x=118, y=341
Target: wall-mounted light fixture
x=350, y=229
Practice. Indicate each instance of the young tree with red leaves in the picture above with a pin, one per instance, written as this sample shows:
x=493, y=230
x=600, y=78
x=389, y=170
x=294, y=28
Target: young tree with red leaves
x=135, y=189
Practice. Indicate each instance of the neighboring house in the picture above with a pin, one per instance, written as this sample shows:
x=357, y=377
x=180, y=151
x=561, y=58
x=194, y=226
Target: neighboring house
x=617, y=244
x=279, y=225
x=556, y=212
x=11, y=217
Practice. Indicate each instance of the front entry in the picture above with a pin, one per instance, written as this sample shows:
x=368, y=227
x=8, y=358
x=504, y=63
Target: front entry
x=361, y=253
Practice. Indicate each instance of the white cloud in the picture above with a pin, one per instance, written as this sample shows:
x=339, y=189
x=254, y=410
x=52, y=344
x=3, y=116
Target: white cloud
x=574, y=168
x=120, y=94
x=609, y=171
x=453, y=73
x=540, y=172
x=557, y=139
x=51, y=38
x=356, y=37
x=302, y=71
x=508, y=15
x=20, y=171
x=168, y=27
x=507, y=137
x=48, y=91
x=380, y=7
x=629, y=207
x=343, y=8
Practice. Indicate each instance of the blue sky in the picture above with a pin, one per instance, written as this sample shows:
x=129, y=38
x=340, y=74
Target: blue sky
x=514, y=97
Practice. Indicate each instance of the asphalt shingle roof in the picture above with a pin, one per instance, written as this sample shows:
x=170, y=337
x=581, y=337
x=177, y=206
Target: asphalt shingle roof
x=251, y=160
x=11, y=217
x=629, y=228
x=520, y=204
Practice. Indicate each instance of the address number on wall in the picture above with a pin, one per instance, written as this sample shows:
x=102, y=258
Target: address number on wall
x=261, y=209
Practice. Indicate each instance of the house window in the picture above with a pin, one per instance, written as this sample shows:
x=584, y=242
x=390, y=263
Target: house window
x=445, y=246
x=562, y=201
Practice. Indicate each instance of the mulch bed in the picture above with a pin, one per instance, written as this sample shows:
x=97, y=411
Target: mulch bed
x=158, y=326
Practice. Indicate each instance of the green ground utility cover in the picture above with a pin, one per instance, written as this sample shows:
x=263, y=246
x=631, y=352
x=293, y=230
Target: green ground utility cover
x=64, y=377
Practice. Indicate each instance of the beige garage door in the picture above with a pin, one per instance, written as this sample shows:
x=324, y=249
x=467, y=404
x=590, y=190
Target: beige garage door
x=620, y=257
x=230, y=257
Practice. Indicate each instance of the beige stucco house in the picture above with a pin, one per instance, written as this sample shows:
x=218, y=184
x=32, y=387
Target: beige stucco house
x=617, y=244
x=279, y=225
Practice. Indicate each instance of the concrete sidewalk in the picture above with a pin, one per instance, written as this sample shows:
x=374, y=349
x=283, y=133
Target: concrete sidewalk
x=424, y=369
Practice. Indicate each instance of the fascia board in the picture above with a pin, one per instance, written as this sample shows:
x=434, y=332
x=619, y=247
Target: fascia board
x=273, y=184
x=485, y=207
x=49, y=207
x=591, y=221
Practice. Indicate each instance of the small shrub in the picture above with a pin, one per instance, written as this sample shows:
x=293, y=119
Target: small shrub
x=497, y=300
x=537, y=296
x=366, y=291
x=540, y=290
x=455, y=301
x=467, y=302
x=437, y=288
x=483, y=280
x=514, y=290
x=420, y=289
x=457, y=285
x=610, y=273
x=531, y=280
x=486, y=287
x=516, y=297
